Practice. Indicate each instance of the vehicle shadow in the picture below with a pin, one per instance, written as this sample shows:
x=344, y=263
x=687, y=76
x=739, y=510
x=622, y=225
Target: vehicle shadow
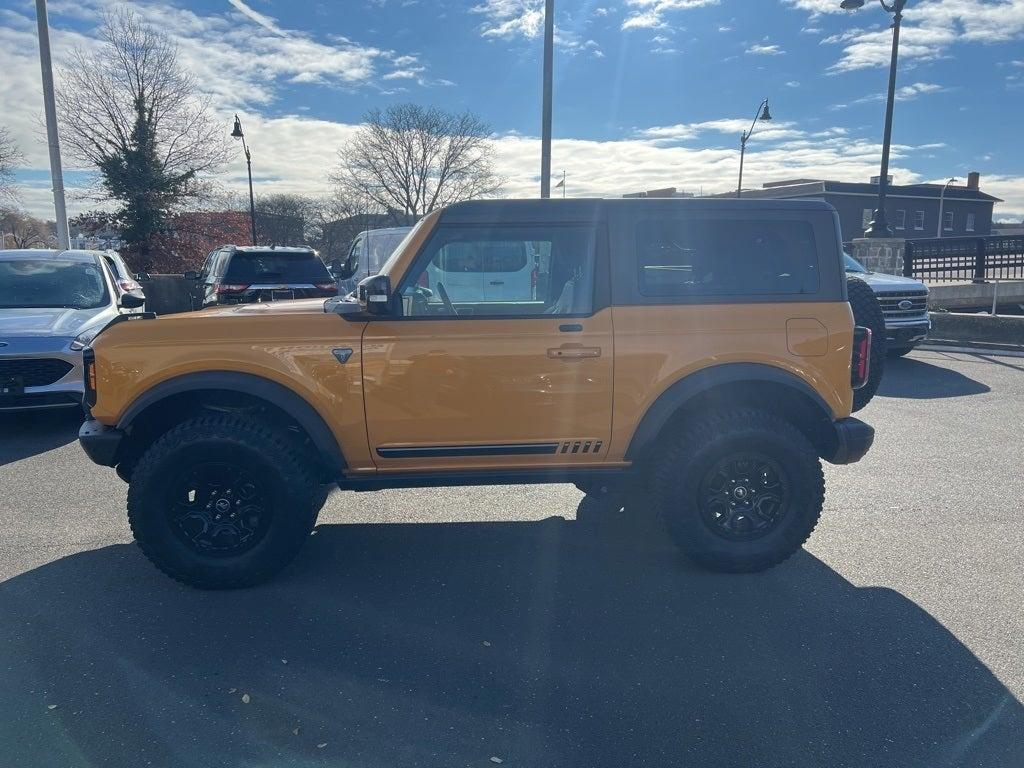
x=548, y=643
x=917, y=379
x=29, y=433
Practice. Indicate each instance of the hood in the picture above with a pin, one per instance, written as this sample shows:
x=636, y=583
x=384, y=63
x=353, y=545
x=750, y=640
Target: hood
x=882, y=283
x=52, y=322
x=264, y=308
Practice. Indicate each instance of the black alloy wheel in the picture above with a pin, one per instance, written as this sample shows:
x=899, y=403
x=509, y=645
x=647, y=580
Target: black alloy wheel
x=219, y=508
x=744, y=496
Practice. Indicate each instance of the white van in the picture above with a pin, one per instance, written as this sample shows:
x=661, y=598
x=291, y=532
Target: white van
x=495, y=270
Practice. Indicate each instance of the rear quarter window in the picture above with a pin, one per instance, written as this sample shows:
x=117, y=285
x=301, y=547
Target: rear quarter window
x=723, y=257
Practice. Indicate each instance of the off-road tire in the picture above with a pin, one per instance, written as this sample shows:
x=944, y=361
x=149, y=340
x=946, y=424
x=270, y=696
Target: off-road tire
x=868, y=313
x=291, y=498
x=899, y=351
x=688, y=457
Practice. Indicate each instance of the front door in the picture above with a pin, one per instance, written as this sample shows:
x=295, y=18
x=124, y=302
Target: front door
x=465, y=379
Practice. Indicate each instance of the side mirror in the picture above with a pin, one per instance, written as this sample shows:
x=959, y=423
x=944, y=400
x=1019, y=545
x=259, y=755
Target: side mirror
x=375, y=294
x=131, y=301
x=343, y=270
x=191, y=275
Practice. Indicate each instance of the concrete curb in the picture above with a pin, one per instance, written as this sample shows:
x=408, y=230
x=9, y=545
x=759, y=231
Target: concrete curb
x=966, y=329
x=980, y=351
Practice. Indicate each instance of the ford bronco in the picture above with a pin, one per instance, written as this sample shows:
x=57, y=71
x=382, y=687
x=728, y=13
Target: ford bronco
x=697, y=357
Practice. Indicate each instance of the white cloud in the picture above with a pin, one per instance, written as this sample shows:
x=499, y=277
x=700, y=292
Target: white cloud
x=792, y=83
x=266, y=22
x=759, y=49
x=649, y=14
x=903, y=93
x=929, y=30
x=511, y=18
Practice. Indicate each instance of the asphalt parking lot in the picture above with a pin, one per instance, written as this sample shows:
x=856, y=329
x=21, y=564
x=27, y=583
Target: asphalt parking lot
x=461, y=627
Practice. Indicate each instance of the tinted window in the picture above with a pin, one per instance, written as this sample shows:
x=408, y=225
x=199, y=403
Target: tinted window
x=722, y=257
x=248, y=268
x=504, y=271
x=51, y=283
x=380, y=245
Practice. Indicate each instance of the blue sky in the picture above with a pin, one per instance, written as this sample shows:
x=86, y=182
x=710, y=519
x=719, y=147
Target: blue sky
x=648, y=93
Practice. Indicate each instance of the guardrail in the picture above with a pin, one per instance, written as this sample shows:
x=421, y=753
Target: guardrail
x=962, y=259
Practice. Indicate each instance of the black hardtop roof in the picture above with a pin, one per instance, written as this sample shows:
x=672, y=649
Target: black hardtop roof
x=585, y=208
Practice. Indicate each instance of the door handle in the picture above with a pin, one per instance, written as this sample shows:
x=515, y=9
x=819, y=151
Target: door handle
x=573, y=352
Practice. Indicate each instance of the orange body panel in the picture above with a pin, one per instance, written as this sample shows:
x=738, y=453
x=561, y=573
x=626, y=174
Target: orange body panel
x=656, y=346
x=289, y=343
x=464, y=381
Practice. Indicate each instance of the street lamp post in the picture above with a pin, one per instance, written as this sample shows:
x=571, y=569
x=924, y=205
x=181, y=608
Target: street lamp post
x=545, y=118
x=879, y=226
x=237, y=134
x=942, y=200
x=763, y=115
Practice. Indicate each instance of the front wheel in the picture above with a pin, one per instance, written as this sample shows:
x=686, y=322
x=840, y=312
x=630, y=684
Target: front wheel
x=740, y=491
x=220, y=502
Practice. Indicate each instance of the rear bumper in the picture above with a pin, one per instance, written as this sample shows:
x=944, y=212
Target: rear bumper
x=852, y=439
x=100, y=442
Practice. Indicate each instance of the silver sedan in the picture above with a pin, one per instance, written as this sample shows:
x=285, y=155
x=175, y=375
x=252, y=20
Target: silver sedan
x=52, y=304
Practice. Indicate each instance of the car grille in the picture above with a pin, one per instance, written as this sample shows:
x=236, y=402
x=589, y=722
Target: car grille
x=891, y=304
x=35, y=371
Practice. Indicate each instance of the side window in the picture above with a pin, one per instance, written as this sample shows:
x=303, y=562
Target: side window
x=947, y=220
x=901, y=219
x=720, y=257
x=919, y=220
x=970, y=222
x=865, y=218
x=207, y=266
x=220, y=264
x=503, y=271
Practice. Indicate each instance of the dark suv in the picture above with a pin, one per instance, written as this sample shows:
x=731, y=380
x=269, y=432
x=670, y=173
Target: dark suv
x=242, y=275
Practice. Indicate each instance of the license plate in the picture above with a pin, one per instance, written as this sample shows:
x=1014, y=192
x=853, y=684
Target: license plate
x=282, y=295
x=12, y=385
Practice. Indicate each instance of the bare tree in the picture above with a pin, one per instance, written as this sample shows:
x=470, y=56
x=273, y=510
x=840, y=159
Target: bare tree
x=10, y=158
x=413, y=159
x=284, y=219
x=20, y=230
x=128, y=108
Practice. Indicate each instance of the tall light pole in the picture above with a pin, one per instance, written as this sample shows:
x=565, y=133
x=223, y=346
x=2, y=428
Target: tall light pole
x=942, y=200
x=764, y=116
x=545, y=119
x=52, y=136
x=879, y=226
x=237, y=134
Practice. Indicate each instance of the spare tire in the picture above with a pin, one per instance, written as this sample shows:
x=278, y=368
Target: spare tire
x=868, y=313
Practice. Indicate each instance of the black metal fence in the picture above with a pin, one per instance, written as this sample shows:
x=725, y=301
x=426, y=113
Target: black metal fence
x=963, y=259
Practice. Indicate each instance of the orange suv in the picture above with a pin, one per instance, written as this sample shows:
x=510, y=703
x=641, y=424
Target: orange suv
x=699, y=356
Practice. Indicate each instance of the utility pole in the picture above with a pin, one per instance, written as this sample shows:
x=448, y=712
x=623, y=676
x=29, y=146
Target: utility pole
x=545, y=128
x=52, y=137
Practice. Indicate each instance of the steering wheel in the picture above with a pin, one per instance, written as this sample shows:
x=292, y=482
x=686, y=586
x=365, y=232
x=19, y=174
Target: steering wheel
x=449, y=307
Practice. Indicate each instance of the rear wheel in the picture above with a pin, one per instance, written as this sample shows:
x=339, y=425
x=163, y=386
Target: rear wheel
x=740, y=491
x=221, y=501
x=867, y=312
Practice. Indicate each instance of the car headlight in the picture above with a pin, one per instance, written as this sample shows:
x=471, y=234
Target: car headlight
x=84, y=339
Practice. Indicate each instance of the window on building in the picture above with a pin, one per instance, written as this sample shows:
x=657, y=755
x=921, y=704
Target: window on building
x=919, y=220
x=970, y=222
x=901, y=219
x=947, y=221
x=698, y=257
x=865, y=218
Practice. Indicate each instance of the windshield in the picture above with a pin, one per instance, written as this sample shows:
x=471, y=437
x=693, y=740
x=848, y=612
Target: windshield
x=247, y=268
x=39, y=283
x=390, y=263
x=380, y=245
x=852, y=265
